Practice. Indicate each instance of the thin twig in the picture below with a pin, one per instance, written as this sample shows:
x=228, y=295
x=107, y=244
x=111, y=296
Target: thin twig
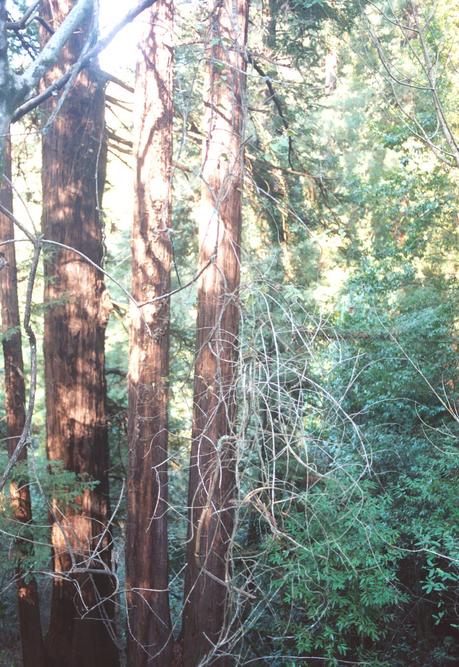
x=24, y=440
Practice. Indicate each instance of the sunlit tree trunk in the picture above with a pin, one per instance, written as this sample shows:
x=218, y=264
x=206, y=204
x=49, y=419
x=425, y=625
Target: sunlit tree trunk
x=211, y=484
x=81, y=625
x=149, y=626
x=28, y=606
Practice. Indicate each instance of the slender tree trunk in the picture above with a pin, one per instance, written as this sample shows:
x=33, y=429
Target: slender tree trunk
x=29, y=612
x=82, y=618
x=211, y=485
x=149, y=627
x=33, y=652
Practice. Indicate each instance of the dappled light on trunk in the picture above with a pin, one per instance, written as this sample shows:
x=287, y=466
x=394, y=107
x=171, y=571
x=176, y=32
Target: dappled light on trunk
x=149, y=630
x=74, y=154
x=211, y=481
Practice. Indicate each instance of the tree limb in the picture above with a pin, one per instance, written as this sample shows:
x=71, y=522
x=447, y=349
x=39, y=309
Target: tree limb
x=50, y=52
x=24, y=440
x=35, y=101
x=23, y=22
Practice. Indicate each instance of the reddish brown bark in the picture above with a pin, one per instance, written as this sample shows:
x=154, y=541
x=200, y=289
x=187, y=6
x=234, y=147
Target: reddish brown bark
x=28, y=605
x=211, y=484
x=149, y=626
x=82, y=619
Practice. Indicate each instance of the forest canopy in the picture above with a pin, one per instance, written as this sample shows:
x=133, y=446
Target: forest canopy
x=228, y=291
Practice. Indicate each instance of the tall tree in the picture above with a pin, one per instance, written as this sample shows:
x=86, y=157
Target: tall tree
x=149, y=625
x=211, y=482
x=28, y=604
x=81, y=626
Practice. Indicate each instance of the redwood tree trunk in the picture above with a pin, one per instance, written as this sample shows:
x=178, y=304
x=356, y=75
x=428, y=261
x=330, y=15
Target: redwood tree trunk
x=211, y=484
x=82, y=620
x=149, y=626
x=29, y=613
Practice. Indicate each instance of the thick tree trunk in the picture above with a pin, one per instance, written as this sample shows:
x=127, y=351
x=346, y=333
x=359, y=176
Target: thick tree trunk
x=211, y=485
x=29, y=613
x=82, y=620
x=149, y=627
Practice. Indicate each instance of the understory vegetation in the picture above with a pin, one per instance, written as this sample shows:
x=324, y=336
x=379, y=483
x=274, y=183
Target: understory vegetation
x=341, y=407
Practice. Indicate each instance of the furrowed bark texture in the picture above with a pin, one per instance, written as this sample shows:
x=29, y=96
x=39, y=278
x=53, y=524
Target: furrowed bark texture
x=211, y=484
x=28, y=604
x=149, y=626
x=75, y=319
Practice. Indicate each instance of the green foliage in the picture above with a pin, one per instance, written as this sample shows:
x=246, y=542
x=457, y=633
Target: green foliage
x=347, y=543
x=340, y=587
x=46, y=480
x=10, y=333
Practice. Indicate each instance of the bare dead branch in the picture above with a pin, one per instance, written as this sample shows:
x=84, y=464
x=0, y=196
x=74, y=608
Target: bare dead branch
x=49, y=54
x=103, y=42
x=25, y=19
x=24, y=440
